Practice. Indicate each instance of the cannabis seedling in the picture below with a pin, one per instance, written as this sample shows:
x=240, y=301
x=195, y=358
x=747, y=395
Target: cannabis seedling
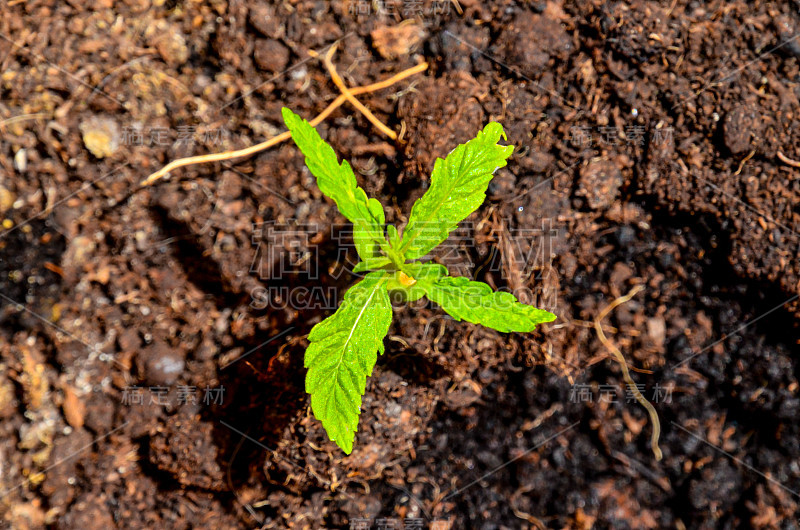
x=343, y=348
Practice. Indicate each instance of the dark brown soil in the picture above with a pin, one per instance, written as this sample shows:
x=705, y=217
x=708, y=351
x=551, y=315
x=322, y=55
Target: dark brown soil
x=654, y=147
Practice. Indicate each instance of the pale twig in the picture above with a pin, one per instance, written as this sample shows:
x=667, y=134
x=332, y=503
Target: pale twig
x=336, y=103
x=786, y=160
x=24, y=117
x=624, y=365
x=347, y=93
x=744, y=161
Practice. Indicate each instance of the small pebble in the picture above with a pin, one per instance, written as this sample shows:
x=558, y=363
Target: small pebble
x=162, y=364
x=21, y=160
x=7, y=199
x=100, y=136
x=271, y=55
x=172, y=48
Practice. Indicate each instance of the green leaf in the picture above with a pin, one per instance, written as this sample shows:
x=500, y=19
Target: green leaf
x=368, y=236
x=475, y=302
x=426, y=271
x=458, y=188
x=413, y=283
x=338, y=182
x=392, y=235
x=371, y=264
x=342, y=354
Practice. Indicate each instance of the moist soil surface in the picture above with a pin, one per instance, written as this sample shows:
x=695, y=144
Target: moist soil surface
x=151, y=369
